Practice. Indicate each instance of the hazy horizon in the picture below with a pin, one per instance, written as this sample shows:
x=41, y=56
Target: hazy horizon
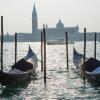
x=18, y=14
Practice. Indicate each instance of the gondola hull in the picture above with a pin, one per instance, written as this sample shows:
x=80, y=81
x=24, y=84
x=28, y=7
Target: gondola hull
x=86, y=70
x=93, y=78
x=6, y=78
x=21, y=71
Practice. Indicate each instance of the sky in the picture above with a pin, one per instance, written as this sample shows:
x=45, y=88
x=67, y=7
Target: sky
x=17, y=14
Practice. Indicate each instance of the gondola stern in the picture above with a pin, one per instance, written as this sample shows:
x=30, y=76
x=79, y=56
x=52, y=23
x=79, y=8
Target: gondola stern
x=74, y=51
x=30, y=53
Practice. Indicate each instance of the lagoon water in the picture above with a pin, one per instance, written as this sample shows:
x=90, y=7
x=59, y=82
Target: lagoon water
x=61, y=84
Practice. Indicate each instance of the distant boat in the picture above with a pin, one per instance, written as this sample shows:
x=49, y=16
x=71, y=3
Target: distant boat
x=58, y=41
x=91, y=70
x=21, y=71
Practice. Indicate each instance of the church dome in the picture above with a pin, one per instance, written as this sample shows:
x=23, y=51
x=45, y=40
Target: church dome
x=59, y=25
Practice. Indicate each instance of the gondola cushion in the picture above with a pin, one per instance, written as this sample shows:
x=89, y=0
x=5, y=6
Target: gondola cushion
x=23, y=65
x=91, y=64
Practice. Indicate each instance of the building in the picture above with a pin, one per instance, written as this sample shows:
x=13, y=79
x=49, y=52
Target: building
x=51, y=33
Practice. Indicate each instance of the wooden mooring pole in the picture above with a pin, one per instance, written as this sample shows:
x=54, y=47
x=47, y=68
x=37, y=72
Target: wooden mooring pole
x=95, y=38
x=84, y=51
x=84, y=44
x=41, y=51
x=15, y=47
x=1, y=42
x=67, y=49
x=44, y=35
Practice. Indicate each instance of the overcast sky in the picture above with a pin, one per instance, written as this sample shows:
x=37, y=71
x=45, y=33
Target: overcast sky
x=18, y=14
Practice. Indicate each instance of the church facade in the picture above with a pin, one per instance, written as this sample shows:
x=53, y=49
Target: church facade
x=52, y=33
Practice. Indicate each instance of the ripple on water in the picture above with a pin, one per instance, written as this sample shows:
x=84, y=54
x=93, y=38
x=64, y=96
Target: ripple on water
x=61, y=84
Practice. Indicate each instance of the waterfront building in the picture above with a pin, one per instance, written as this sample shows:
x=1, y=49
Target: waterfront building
x=57, y=32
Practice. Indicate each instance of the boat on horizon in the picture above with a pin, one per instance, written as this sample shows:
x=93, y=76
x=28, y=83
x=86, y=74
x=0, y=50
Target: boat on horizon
x=59, y=41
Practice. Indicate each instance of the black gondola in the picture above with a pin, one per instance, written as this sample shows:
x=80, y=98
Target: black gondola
x=20, y=71
x=90, y=69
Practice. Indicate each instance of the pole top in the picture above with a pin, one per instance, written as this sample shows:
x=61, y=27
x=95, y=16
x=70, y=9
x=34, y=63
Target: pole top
x=84, y=29
x=43, y=25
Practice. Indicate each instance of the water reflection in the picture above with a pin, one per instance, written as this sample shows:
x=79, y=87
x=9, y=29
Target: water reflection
x=10, y=90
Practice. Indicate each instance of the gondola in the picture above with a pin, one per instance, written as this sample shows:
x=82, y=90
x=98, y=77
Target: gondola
x=21, y=71
x=89, y=70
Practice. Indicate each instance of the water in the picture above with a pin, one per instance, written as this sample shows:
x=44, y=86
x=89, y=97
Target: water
x=61, y=84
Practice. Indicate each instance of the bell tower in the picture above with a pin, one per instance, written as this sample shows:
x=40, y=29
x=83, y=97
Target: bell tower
x=34, y=21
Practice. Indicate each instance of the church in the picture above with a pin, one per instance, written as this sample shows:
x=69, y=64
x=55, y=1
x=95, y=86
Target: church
x=57, y=32
x=51, y=33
